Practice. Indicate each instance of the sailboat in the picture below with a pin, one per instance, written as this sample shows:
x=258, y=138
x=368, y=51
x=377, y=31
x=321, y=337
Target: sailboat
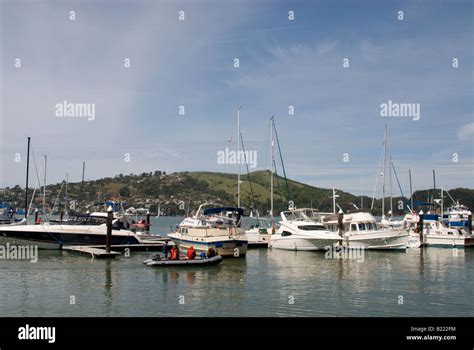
x=258, y=235
x=300, y=229
x=360, y=229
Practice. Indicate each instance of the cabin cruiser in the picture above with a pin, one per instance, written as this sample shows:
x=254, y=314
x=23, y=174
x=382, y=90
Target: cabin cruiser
x=301, y=229
x=209, y=228
x=457, y=216
x=361, y=231
x=259, y=235
x=7, y=216
x=89, y=229
x=435, y=233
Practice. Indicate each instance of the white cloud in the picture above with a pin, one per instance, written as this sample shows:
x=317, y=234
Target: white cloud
x=466, y=132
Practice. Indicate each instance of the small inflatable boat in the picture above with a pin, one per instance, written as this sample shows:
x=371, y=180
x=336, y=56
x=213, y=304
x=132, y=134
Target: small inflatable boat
x=157, y=261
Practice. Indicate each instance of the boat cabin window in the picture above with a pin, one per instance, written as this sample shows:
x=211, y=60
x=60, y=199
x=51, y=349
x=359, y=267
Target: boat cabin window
x=362, y=226
x=312, y=228
x=353, y=227
x=286, y=233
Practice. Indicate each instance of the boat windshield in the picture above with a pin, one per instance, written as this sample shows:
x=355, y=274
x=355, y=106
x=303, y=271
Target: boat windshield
x=312, y=228
x=302, y=215
x=367, y=226
x=87, y=220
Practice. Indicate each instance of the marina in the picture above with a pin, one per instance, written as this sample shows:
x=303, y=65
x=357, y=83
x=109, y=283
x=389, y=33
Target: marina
x=433, y=282
x=225, y=169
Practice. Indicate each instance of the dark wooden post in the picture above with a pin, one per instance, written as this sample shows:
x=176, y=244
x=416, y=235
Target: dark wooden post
x=340, y=224
x=36, y=217
x=420, y=226
x=61, y=215
x=147, y=221
x=469, y=223
x=108, y=239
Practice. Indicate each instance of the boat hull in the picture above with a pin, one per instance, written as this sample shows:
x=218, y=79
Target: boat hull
x=258, y=240
x=227, y=248
x=183, y=262
x=377, y=241
x=447, y=241
x=302, y=243
x=48, y=239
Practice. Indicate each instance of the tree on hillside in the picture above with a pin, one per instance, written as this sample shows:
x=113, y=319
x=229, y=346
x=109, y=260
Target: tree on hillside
x=124, y=191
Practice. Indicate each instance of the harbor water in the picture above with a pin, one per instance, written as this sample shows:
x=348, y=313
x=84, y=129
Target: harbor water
x=268, y=282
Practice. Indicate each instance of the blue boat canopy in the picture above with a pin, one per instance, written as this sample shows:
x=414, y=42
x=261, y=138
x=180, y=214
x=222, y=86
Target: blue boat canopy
x=209, y=211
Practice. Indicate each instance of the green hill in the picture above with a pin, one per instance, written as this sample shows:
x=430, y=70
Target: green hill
x=181, y=192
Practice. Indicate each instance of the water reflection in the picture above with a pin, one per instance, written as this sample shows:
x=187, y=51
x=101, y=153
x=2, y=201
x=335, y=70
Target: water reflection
x=432, y=282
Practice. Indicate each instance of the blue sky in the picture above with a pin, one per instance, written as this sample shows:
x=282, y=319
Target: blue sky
x=282, y=63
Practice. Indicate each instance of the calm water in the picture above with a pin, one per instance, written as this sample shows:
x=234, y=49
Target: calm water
x=432, y=282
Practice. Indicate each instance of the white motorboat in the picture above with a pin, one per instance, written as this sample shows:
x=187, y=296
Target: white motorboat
x=435, y=233
x=208, y=228
x=259, y=235
x=301, y=229
x=89, y=229
x=360, y=230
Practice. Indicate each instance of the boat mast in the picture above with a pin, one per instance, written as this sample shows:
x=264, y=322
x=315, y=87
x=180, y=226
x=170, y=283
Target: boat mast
x=27, y=173
x=334, y=196
x=66, y=204
x=391, y=188
x=82, y=183
x=442, y=203
x=411, y=191
x=434, y=187
x=238, y=157
x=384, y=168
x=44, y=184
x=272, y=161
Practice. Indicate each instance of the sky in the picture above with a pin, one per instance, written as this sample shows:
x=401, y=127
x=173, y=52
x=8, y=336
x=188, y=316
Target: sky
x=137, y=125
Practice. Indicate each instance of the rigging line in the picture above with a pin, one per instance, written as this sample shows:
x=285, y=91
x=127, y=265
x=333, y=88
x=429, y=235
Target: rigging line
x=396, y=177
x=56, y=201
x=250, y=180
x=282, y=164
x=377, y=179
x=454, y=202
x=280, y=192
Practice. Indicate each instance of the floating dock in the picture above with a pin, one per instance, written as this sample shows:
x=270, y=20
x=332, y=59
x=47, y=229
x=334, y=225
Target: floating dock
x=99, y=251
x=92, y=251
